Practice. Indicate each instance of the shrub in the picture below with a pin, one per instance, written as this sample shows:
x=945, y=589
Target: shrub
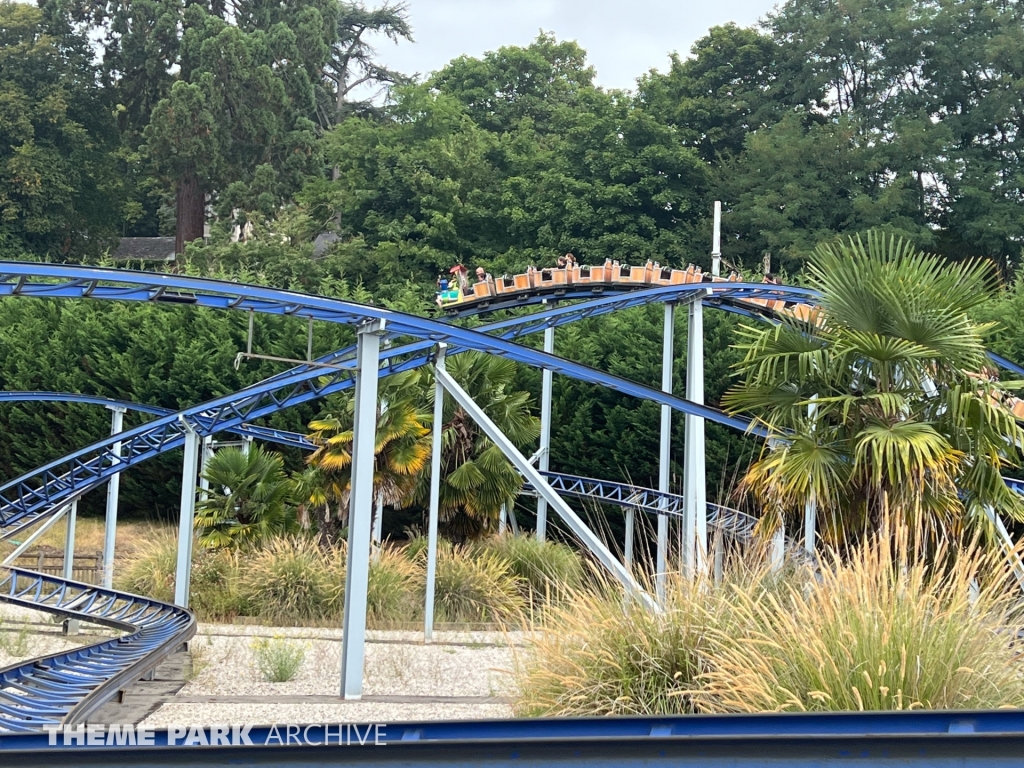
x=289, y=579
x=394, y=585
x=602, y=653
x=277, y=659
x=150, y=571
x=475, y=589
x=884, y=630
x=547, y=568
x=214, y=588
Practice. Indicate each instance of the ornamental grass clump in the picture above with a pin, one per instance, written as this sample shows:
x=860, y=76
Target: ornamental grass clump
x=476, y=589
x=150, y=571
x=548, y=569
x=882, y=630
x=603, y=653
x=394, y=586
x=288, y=579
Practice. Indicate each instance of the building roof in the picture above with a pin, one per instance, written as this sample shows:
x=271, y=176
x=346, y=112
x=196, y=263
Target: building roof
x=145, y=248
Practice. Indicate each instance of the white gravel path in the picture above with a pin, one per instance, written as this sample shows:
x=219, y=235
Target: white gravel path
x=469, y=664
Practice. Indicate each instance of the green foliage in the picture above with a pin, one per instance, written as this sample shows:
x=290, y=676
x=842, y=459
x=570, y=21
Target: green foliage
x=288, y=579
x=277, y=659
x=151, y=571
x=14, y=642
x=884, y=631
x=58, y=185
x=476, y=477
x=548, y=569
x=213, y=593
x=248, y=500
x=394, y=586
x=476, y=589
x=604, y=654
x=883, y=406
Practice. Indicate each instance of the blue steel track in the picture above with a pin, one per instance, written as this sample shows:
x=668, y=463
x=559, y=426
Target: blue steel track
x=66, y=688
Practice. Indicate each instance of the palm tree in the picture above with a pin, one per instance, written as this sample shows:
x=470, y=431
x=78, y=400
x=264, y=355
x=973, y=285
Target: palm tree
x=476, y=478
x=885, y=405
x=401, y=452
x=248, y=499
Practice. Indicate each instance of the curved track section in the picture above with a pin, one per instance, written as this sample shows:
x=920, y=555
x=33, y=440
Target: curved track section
x=65, y=688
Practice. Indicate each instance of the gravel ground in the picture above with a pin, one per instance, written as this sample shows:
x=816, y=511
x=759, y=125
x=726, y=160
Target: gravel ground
x=26, y=634
x=465, y=664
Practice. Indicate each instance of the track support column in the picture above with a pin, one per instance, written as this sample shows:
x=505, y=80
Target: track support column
x=695, y=526
x=364, y=434
x=544, y=460
x=113, y=494
x=811, y=505
x=186, y=521
x=665, y=447
x=207, y=454
x=69, y=541
x=71, y=626
x=435, y=495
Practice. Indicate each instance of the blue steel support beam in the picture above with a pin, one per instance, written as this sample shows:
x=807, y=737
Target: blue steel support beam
x=360, y=509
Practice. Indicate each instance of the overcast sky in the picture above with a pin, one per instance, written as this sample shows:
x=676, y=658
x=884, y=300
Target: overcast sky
x=623, y=39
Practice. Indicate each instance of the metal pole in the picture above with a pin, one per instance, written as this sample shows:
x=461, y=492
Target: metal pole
x=545, y=432
x=47, y=525
x=630, y=525
x=113, y=494
x=777, y=553
x=364, y=435
x=207, y=454
x=536, y=479
x=811, y=505
x=503, y=519
x=435, y=495
x=186, y=520
x=69, y=541
x=695, y=529
x=665, y=447
x=716, y=241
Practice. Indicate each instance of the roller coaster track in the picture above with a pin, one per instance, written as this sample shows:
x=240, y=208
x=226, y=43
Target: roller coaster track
x=65, y=688
x=733, y=522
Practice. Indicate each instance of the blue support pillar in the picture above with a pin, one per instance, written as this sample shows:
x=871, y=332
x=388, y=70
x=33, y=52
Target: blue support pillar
x=113, y=494
x=435, y=495
x=186, y=521
x=695, y=529
x=544, y=459
x=364, y=435
x=665, y=447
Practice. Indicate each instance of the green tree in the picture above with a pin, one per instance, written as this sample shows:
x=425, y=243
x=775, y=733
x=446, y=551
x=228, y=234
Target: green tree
x=401, y=451
x=352, y=64
x=903, y=419
x=730, y=87
x=476, y=477
x=248, y=501
x=58, y=188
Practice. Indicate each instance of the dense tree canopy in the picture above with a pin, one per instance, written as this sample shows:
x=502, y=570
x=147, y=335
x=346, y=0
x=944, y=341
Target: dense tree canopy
x=159, y=117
